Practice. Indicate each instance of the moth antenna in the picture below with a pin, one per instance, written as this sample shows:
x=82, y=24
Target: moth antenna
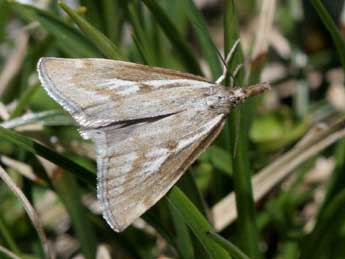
x=232, y=51
x=256, y=89
x=237, y=70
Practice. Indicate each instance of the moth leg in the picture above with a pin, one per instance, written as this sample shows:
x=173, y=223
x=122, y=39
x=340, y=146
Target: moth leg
x=226, y=63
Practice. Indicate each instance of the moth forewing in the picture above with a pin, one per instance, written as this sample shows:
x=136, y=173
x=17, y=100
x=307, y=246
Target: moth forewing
x=148, y=125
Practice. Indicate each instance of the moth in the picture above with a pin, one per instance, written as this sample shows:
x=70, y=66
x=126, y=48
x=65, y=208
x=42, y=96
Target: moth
x=148, y=124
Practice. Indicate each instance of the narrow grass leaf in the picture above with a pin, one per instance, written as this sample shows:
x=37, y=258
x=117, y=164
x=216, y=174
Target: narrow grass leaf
x=7, y=253
x=233, y=250
x=142, y=40
x=327, y=20
x=183, y=50
x=68, y=39
x=64, y=162
x=112, y=19
x=183, y=239
x=30, y=211
x=207, y=46
x=104, y=45
x=93, y=14
x=46, y=118
x=7, y=237
x=4, y=15
x=239, y=126
x=197, y=223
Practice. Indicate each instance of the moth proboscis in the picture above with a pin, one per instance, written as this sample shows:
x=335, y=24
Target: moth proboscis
x=148, y=124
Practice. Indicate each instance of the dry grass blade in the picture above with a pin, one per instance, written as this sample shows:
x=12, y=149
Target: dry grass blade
x=20, y=167
x=14, y=60
x=29, y=210
x=8, y=253
x=266, y=18
x=318, y=138
x=4, y=114
x=103, y=252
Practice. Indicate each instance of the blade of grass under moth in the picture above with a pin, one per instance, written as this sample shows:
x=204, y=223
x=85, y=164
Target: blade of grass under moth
x=246, y=221
x=183, y=50
x=327, y=20
x=68, y=191
x=69, y=40
x=197, y=223
x=104, y=45
x=188, y=185
x=233, y=250
x=183, y=239
x=64, y=162
x=207, y=46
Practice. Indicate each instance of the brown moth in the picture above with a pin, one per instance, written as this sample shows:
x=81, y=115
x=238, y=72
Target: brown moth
x=148, y=125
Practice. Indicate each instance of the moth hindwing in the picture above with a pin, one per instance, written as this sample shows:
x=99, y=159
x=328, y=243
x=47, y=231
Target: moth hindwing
x=148, y=125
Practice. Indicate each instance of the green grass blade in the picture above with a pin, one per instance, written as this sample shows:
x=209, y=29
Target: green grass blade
x=207, y=46
x=4, y=15
x=29, y=145
x=112, y=19
x=183, y=50
x=70, y=40
x=142, y=41
x=239, y=128
x=197, y=223
x=188, y=185
x=93, y=13
x=233, y=250
x=183, y=239
x=104, y=45
x=327, y=20
x=6, y=236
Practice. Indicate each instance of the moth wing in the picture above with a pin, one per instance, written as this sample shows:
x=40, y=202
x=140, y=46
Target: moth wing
x=99, y=92
x=138, y=164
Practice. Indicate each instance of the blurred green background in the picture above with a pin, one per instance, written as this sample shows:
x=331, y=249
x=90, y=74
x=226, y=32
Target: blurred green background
x=282, y=154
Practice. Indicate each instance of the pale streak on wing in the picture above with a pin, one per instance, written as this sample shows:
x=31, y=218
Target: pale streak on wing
x=98, y=92
x=135, y=172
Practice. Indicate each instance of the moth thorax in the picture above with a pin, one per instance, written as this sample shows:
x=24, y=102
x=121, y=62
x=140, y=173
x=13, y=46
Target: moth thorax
x=219, y=100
